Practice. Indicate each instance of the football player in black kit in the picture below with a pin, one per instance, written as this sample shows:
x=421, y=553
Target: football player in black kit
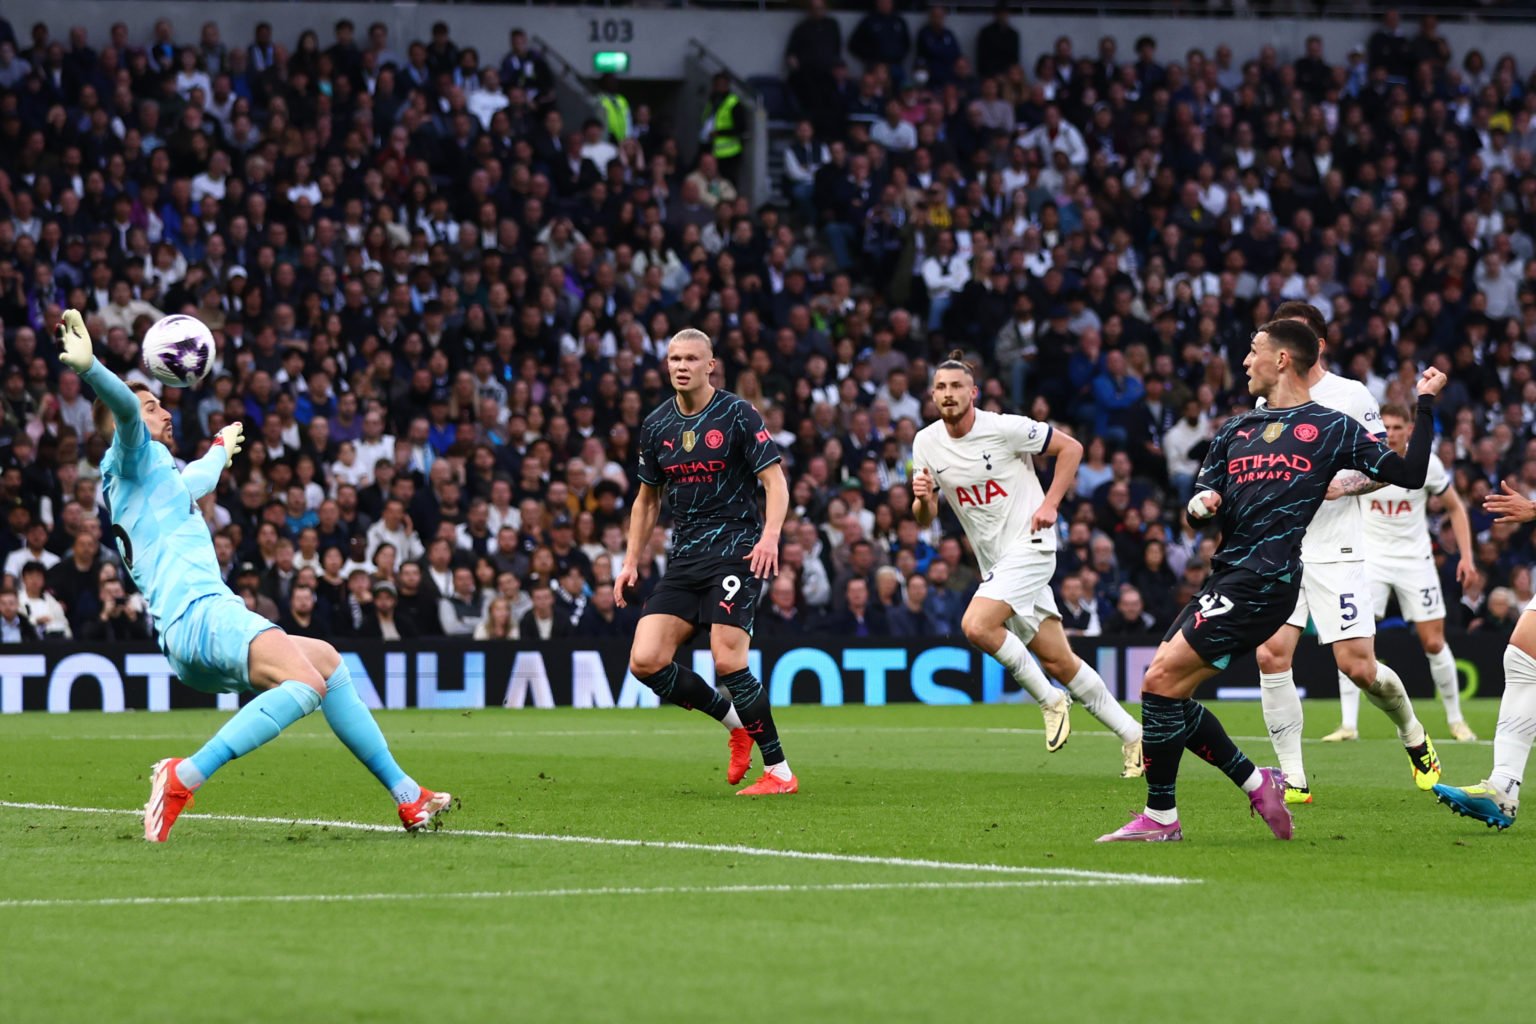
x=1265, y=476
x=706, y=449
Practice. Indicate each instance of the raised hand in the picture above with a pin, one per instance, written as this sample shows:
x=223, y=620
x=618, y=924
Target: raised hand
x=231, y=437
x=1431, y=381
x=77, y=352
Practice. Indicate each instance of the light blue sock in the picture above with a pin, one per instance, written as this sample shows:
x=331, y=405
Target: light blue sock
x=258, y=722
x=349, y=719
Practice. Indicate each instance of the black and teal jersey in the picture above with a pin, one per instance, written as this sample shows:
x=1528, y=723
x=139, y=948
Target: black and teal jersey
x=1272, y=468
x=707, y=466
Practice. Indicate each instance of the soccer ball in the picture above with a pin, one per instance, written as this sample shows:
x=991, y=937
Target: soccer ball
x=179, y=351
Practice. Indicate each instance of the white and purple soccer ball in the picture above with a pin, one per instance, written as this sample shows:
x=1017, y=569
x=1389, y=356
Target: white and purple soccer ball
x=179, y=351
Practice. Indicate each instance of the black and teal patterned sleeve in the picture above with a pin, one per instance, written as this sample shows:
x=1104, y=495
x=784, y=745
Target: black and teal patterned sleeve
x=647, y=468
x=757, y=445
x=1363, y=451
x=1213, y=471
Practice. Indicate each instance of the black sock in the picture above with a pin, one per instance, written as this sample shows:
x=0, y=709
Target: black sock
x=1208, y=741
x=751, y=700
x=687, y=689
x=1163, y=725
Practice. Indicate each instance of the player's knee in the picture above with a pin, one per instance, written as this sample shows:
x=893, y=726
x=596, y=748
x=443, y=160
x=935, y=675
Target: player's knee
x=725, y=664
x=1272, y=658
x=325, y=658
x=645, y=664
x=1433, y=644
x=1361, y=670
x=975, y=628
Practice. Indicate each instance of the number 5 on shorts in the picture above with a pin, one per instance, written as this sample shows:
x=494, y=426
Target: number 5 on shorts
x=1347, y=606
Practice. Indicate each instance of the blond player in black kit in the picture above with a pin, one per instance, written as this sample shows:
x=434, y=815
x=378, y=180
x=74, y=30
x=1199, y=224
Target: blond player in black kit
x=704, y=451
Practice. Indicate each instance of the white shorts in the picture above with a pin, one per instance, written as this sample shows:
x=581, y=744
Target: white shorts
x=1023, y=583
x=1337, y=595
x=1416, y=584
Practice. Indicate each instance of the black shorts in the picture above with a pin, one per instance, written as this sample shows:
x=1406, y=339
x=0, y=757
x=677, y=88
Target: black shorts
x=1235, y=612
x=708, y=591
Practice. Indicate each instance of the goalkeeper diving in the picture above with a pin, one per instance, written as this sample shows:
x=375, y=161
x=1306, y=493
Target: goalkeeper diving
x=214, y=643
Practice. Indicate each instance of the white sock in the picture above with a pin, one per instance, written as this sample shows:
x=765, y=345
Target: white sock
x=1167, y=817
x=732, y=720
x=1014, y=656
x=1442, y=669
x=1388, y=694
x=1256, y=779
x=780, y=770
x=1089, y=689
x=1349, y=703
x=1282, y=714
x=1517, y=722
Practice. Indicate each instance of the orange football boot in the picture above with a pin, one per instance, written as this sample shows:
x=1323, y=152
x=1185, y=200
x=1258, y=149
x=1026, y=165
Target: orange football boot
x=741, y=755
x=167, y=799
x=418, y=815
x=771, y=785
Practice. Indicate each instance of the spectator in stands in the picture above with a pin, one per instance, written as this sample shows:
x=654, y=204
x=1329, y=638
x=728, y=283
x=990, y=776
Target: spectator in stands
x=39, y=606
x=120, y=619
x=304, y=617
x=542, y=622
x=14, y=627
x=386, y=599
x=497, y=623
x=1079, y=612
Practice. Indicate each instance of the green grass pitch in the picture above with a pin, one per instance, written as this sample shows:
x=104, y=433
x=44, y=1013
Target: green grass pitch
x=963, y=882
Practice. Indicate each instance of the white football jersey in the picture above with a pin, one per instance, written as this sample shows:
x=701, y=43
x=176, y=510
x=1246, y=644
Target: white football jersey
x=1337, y=533
x=989, y=479
x=1395, y=526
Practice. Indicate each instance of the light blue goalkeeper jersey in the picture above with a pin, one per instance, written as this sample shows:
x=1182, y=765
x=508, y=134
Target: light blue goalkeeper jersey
x=159, y=531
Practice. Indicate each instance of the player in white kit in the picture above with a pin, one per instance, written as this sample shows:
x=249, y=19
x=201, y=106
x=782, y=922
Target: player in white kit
x=1398, y=561
x=1496, y=799
x=1336, y=595
x=982, y=462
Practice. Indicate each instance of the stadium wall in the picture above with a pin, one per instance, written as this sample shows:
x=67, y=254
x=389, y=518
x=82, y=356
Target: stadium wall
x=464, y=674
x=749, y=42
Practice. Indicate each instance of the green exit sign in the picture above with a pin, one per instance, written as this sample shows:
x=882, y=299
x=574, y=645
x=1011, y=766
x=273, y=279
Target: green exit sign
x=610, y=62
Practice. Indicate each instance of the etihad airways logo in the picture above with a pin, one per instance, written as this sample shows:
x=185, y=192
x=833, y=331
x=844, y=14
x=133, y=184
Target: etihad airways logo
x=1277, y=466
x=698, y=471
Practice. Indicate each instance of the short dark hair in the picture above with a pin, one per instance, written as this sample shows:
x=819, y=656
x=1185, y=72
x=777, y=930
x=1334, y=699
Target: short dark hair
x=1295, y=338
x=1294, y=309
x=1400, y=411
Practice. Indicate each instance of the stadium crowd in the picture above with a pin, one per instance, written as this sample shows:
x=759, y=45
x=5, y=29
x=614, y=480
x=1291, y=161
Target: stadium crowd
x=441, y=309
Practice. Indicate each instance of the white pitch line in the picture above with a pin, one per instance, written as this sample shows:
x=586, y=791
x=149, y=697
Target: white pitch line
x=654, y=844
x=607, y=890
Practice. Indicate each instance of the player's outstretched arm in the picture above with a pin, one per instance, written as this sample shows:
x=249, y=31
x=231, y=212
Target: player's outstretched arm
x=1374, y=458
x=642, y=520
x=764, y=556
x=1350, y=483
x=203, y=475
x=77, y=353
x=1068, y=453
x=1508, y=504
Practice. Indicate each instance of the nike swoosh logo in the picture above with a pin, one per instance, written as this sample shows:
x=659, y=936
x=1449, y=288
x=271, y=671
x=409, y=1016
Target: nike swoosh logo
x=1347, y=625
x=1059, y=730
